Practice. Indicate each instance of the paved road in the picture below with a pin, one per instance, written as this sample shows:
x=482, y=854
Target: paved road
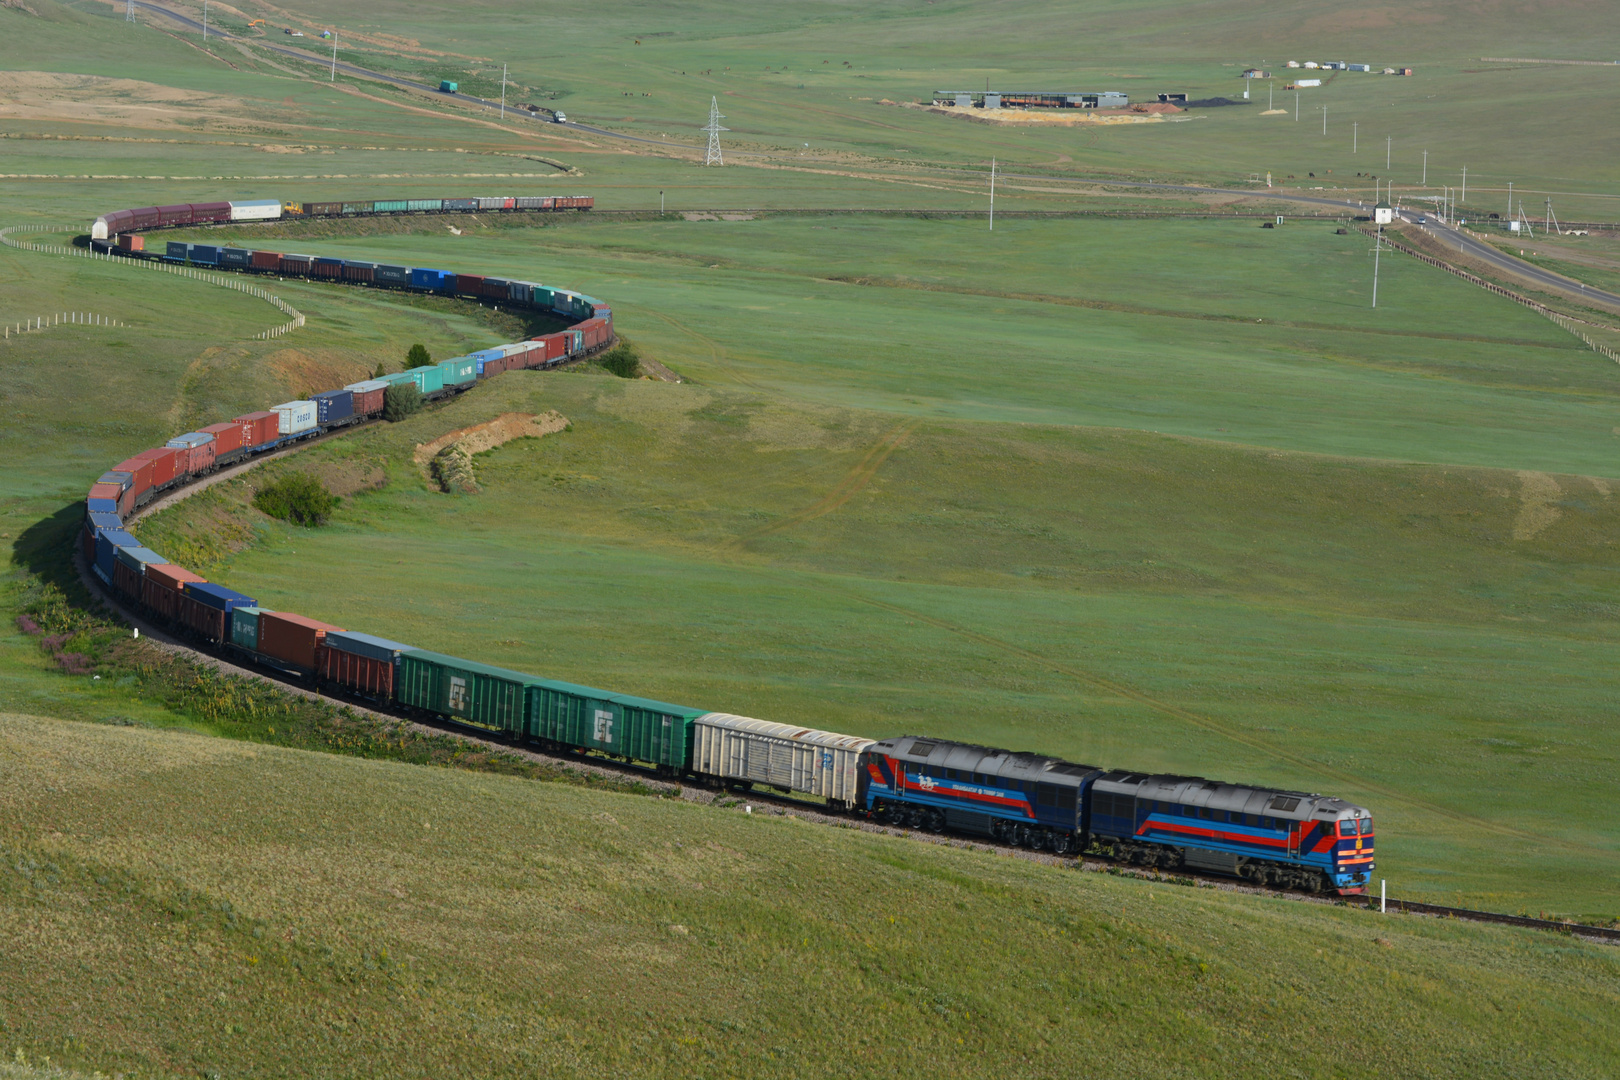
x=1452, y=237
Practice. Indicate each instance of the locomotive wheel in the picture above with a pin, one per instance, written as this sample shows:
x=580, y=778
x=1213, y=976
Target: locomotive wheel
x=915, y=817
x=936, y=821
x=1020, y=835
x=1062, y=844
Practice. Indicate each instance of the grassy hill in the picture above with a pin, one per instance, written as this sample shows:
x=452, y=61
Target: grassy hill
x=174, y=906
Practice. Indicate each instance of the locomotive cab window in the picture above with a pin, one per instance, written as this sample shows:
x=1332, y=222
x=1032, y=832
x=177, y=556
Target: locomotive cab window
x=1366, y=826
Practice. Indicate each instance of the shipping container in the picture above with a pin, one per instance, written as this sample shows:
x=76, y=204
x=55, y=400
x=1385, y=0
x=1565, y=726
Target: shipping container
x=132, y=241
x=261, y=430
x=367, y=397
x=162, y=587
x=96, y=520
x=139, y=470
x=458, y=371
x=333, y=406
x=205, y=254
x=245, y=627
x=176, y=251
x=429, y=379
x=267, y=260
x=97, y=505
x=488, y=369
x=469, y=285
x=483, y=356
x=235, y=258
x=392, y=275
x=229, y=441
x=205, y=609
x=217, y=596
x=195, y=451
x=164, y=466
x=473, y=693
x=294, y=419
x=432, y=280
x=174, y=215
x=256, y=210
x=425, y=205
x=129, y=567
x=113, y=476
x=360, y=662
x=108, y=541
x=629, y=727
x=111, y=499
x=519, y=291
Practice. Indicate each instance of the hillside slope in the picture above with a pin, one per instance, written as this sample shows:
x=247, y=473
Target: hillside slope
x=179, y=904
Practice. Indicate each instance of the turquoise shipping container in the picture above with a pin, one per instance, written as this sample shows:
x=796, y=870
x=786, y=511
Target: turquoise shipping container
x=458, y=370
x=245, y=627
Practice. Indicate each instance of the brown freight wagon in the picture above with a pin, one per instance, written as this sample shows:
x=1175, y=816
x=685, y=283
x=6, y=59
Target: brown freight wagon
x=267, y=260
x=211, y=622
x=291, y=638
x=368, y=402
x=495, y=367
x=469, y=284
x=363, y=673
x=126, y=579
x=192, y=456
x=363, y=272
x=163, y=587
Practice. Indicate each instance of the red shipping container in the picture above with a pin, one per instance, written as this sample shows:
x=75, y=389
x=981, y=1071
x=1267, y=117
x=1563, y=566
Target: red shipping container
x=210, y=622
x=228, y=438
x=291, y=638
x=555, y=347
x=267, y=260
x=106, y=491
x=140, y=472
x=190, y=460
x=164, y=585
x=362, y=673
x=132, y=241
x=261, y=428
x=164, y=464
x=469, y=284
x=367, y=402
x=494, y=367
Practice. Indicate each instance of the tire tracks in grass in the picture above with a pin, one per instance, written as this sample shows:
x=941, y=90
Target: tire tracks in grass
x=1206, y=723
x=853, y=483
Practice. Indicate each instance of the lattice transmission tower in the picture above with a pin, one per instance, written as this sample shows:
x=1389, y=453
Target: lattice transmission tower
x=714, y=129
x=129, y=11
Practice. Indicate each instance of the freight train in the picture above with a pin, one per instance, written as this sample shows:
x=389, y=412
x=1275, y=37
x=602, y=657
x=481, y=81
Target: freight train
x=1286, y=839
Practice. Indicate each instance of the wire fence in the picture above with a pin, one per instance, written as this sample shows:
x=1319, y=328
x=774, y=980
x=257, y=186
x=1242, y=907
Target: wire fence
x=1557, y=317
x=223, y=281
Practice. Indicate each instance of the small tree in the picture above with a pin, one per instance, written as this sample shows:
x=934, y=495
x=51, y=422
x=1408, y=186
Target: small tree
x=622, y=360
x=381, y=370
x=297, y=497
x=400, y=401
x=417, y=357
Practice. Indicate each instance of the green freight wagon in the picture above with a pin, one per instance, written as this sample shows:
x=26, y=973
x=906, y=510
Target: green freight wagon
x=424, y=204
x=357, y=207
x=477, y=694
x=389, y=206
x=458, y=371
x=630, y=727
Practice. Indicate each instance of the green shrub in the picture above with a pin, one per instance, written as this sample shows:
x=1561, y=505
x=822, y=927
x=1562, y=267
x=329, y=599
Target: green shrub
x=382, y=370
x=400, y=401
x=622, y=360
x=452, y=467
x=297, y=497
x=417, y=357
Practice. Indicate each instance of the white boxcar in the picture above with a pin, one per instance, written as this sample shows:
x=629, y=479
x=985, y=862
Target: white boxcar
x=256, y=210
x=294, y=417
x=781, y=755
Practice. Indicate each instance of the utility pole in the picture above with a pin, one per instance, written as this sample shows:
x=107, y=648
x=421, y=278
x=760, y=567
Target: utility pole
x=1271, y=92
x=333, y=77
x=205, y=20
x=129, y=11
x=1296, y=106
x=1324, y=120
x=1378, y=238
x=1425, y=168
x=660, y=204
x=1465, y=185
x=993, y=195
x=1389, y=148
x=1355, y=136
x=1510, y=198
x=503, y=91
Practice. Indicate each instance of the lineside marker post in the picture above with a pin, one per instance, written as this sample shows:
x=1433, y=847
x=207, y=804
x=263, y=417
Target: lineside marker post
x=992, y=194
x=1382, y=898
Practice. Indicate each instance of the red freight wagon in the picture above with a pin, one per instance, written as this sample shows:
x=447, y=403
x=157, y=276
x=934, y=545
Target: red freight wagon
x=147, y=217
x=132, y=241
x=210, y=622
x=117, y=221
x=259, y=428
x=368, y=402
x=291, y=638
x=191, y=460
x=323, y=269
x=140, y=474
x=174, y=215
x=469, y=284
x=164, y=585
x=494, y=367
x=267, y=260
x=495, y=289
x=229, y=440
x=165, y=465
x=210, y=213
x=362, y=673
x=534, y=354
x=126, y=580
x=363, y=273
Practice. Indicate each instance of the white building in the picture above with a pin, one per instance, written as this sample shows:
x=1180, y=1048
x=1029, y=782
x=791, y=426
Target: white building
x=1383, y=214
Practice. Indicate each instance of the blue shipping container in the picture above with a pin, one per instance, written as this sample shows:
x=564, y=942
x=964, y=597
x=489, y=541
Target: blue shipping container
x=436, y=280
x=101, y=506
x=217, y=596
x=207, y=254
x=392, y=275
x=333, y=405
x=368, y=645
x=235, y=257
x=139, y=558
x=122, y=479
x=98, y=520
x=108, y=541
x=178, y=250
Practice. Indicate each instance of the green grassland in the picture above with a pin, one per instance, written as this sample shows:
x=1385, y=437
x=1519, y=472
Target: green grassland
x=1162, y=494
x=399, y=927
